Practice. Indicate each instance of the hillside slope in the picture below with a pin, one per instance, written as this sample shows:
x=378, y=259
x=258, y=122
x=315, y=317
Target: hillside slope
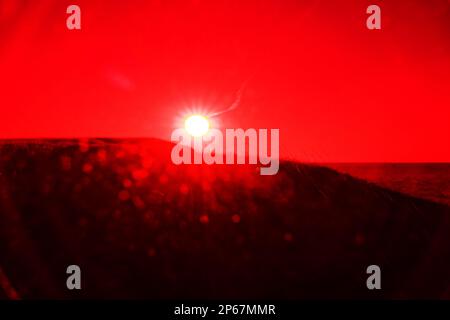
x=140, y=227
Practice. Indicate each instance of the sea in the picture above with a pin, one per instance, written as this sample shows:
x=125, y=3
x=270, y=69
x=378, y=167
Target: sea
x=423, y=180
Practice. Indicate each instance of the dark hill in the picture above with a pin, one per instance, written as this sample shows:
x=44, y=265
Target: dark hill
x=140, y=227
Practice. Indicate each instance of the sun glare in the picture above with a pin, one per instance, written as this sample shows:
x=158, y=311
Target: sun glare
x=196, y=125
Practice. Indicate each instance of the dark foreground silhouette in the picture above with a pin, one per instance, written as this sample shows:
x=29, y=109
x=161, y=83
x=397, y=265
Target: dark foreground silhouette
x=140, y=227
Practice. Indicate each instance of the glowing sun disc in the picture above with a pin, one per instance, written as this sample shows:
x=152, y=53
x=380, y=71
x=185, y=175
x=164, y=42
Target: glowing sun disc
x=196, y=125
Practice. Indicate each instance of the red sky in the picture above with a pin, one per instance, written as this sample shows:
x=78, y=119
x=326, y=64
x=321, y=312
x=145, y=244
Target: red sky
x=337, y=91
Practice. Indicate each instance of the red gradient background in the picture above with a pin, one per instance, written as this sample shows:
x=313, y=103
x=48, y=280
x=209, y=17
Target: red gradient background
x=337, y=91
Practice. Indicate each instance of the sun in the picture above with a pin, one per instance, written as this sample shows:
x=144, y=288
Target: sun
x=196, y=125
